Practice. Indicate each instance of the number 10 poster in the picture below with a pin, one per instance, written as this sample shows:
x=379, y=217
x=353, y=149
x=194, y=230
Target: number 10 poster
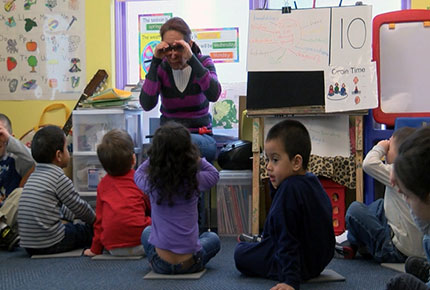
x=335, y=40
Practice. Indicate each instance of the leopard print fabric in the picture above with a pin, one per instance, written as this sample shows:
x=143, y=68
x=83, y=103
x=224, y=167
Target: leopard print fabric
x=339, y=169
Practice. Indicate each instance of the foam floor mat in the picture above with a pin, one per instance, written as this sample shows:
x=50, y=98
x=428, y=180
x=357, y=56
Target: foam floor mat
x=74, y=253
x=192, y=276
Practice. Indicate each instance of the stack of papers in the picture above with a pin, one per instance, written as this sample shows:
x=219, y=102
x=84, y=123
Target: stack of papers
x=108, y=98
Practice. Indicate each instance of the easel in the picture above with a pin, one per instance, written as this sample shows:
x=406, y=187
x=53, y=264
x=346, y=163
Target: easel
x=290, y=75
x=257, y=133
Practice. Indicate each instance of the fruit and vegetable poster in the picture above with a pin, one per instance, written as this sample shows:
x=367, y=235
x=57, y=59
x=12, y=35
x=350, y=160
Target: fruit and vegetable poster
x=42, y=49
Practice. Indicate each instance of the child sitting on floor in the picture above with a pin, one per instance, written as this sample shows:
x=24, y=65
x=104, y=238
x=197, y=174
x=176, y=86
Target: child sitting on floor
x=49, y=198
x=15, y=163
x=298, y=237
x=173, y=176
x=385, y=228
x=122, y=210
x=411, y=175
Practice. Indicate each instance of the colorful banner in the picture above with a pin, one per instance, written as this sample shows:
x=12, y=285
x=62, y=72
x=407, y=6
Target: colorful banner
x=221, y=44
x=42, y=56
x=149, y=37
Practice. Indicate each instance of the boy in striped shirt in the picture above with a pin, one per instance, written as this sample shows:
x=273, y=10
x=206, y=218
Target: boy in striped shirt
x=49, y=198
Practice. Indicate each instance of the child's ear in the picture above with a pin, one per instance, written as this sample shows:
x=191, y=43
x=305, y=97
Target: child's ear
x=297, y=162
x=134, y=160
x=58, y=155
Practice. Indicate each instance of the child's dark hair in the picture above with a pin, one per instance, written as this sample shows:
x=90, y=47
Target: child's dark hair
x=7, y=122
x=413, y=162
x=179, y=25
x=401, y=134
x=46, y=142
x=173, y=163
x=295, y=138
x=116, y=152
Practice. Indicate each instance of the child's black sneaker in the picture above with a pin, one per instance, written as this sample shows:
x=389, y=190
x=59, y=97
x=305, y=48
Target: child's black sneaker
x=248, y=238
x=345, y=250
x=419, y=267
x=9, y=238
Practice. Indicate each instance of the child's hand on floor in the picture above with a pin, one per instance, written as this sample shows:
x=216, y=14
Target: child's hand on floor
x=89, y=253
x=282, y=286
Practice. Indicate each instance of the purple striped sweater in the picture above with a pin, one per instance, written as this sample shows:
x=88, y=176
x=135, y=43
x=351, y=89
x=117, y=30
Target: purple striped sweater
x=190, y=107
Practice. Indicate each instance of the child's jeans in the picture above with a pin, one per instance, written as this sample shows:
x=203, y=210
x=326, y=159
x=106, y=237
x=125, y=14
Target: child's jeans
x=367, y=226
x=210, y=247
x=76, y=236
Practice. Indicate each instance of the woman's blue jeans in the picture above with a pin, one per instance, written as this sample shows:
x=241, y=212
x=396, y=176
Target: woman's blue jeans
x=206, y=144
x=210, y=247
x=367, y=226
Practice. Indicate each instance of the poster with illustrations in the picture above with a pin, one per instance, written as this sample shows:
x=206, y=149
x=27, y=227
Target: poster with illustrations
x=42, y=49
x=351, y=88
x=225, y=112
x=149, y=37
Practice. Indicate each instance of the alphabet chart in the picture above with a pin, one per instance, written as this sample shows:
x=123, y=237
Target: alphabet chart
x=42, y=49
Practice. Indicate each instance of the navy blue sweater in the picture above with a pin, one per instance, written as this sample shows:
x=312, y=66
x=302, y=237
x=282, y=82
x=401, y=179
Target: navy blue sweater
x=298, y=233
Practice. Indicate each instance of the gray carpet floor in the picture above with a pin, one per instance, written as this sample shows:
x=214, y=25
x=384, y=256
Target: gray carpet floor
x=18, y=271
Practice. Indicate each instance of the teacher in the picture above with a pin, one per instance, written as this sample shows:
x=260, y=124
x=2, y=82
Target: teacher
x=186, y=82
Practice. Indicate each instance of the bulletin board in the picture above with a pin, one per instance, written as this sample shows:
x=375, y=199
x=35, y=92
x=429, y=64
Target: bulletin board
x=308, y=57
x=42, y=56
x=400, y=48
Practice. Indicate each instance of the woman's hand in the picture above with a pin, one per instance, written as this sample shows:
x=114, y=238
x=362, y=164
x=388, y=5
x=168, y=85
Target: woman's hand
x=179, y=46
x=186, y=53
x=159, y=51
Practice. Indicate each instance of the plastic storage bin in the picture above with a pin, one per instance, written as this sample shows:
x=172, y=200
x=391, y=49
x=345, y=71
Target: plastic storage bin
x=89, y=127
x=336, y=192
x=234, y=202
x=87, y=173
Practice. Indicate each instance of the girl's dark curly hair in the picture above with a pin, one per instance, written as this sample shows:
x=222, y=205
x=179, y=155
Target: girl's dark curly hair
x=173, y=163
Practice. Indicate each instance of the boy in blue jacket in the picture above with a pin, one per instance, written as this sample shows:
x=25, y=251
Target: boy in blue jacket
x=298, y=237
x=15, y=163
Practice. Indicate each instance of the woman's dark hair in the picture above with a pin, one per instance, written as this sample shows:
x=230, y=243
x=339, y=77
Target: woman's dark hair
x=179, y=25
x=412, y=164
x=116, y=152
x=46, y=142
x=173, y=163
x=294, y=137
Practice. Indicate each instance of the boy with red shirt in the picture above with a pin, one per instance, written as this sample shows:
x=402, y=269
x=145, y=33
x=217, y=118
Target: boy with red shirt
x=122, y=210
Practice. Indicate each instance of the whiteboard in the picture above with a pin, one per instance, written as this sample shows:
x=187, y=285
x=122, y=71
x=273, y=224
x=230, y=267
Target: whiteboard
x=329, y=134
x=295, y=41
x=335, y=41
x=309, y=39
x=404, y=65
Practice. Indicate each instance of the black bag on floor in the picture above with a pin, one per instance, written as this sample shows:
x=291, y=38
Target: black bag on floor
x=236, y=155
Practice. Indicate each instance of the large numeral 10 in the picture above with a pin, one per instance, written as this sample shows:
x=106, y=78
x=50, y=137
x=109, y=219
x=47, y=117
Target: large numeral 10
x=356, y=33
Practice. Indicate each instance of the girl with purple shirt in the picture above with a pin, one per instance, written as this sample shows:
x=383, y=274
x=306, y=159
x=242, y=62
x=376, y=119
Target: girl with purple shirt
x=173, y=176
x=186, y=82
